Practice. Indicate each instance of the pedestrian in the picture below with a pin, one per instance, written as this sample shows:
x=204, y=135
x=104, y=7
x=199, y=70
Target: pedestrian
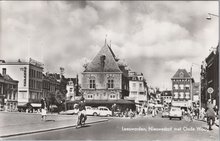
x=43, y=109
x=210, y=113
x=216, y=111
x=189, y=113
x=143, y=112
x=130, y=113
x=153, y=112
x=113, y=109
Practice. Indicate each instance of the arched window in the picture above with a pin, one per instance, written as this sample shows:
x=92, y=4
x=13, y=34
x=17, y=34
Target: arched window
x=110, y=82
x=92, y=83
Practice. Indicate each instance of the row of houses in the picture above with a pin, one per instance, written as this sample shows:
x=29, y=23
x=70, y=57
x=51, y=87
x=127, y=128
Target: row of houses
x=25, y=82
x=106, y=80
x=184, y=93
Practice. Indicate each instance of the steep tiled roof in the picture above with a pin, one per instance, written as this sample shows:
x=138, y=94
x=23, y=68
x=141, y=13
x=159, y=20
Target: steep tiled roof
x=6, y=77
x=104, y=61
x=181, y=73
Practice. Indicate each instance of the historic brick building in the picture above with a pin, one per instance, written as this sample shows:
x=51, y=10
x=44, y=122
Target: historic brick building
x=210, y=78
x=182, y=88
x=8, y=92
x=105, y=79
x=166, y=97
x=29, y=77
x=137, y=88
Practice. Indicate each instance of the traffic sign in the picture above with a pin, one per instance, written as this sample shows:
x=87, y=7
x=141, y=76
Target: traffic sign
x=210, y=90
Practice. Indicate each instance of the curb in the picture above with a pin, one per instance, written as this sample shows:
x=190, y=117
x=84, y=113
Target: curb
x=50, y=129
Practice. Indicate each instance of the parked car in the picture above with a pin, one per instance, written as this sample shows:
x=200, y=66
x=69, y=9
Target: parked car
x=104, y=111
x=165, y=113
x=92, y=111
x=175, y=112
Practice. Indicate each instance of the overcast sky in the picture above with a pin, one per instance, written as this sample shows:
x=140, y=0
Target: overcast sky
x=155, y=38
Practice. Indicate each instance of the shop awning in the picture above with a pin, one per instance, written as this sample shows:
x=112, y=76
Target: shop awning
x=36, y=105
x=119, y=101
x=53, y=106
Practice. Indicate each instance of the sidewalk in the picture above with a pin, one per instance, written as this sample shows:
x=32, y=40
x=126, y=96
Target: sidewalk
x=12, y=124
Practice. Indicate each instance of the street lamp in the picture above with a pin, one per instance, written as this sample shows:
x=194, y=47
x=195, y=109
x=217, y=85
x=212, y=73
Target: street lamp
x=210, y=16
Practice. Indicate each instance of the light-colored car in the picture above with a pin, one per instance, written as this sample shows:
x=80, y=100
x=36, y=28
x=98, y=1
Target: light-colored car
x=92, y=111
x=104, y=111
x=165, y=113
x=175, y=112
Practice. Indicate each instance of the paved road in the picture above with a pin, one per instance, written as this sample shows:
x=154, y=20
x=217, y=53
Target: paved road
x=132, y=129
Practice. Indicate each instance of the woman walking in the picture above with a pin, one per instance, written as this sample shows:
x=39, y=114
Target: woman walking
x=43, y=109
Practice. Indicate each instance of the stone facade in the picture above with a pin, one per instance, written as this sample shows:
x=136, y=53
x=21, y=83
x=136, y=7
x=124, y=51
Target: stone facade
x=137, y=88
x=182, y=88
x=105, y=78
x=101, y=90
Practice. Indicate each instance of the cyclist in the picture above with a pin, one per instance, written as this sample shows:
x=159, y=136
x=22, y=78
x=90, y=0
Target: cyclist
x=81, y=112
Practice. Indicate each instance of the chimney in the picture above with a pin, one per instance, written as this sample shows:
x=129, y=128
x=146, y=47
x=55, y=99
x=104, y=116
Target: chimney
x=3, y=71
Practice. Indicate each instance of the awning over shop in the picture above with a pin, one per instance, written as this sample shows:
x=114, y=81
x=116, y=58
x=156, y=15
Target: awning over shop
x=53, y=106
x=25, y=105
x=180, y=104
x=119, y=101
x=36, y=105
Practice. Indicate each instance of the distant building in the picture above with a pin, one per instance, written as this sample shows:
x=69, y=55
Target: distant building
x=72, y=89
x=137, y=88
x=105, y=80
x=166, y=97
x=29, y=77
x=196, y=93
x=182, y=83
x=8, y=92
x=50, y=85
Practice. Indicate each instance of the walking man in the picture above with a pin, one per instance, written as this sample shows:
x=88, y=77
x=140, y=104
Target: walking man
x=113, y=109
x=43, y=109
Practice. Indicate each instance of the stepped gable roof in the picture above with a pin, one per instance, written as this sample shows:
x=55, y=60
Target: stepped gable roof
x=108, y=65
x=181, y=73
